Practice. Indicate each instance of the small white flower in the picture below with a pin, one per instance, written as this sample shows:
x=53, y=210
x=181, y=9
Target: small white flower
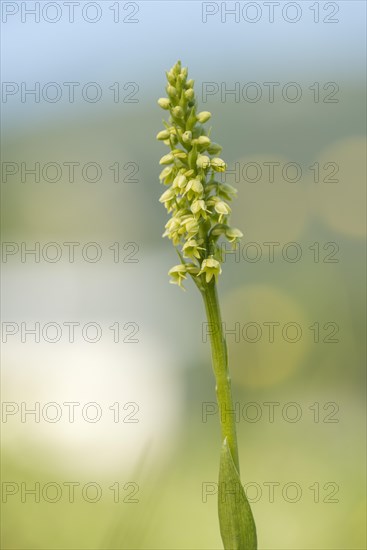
x=211, y=268
x=191, y=249
x=198, y=207
x=222, y=208
x=194, y=185
x=233, y=234
x=178, y=275
x=179, y=181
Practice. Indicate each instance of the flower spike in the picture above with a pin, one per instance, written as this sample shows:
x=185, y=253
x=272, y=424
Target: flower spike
x=196, y=202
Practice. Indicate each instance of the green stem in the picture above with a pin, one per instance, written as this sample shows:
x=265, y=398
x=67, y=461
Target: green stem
x=220, y=368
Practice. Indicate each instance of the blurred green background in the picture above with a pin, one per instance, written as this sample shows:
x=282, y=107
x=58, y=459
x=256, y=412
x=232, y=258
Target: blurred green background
x=312, y=450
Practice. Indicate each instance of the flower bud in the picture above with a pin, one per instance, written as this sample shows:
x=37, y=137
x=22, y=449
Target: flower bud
x=176, y=69
x=180, y=81
x=164, y=134
x=167, y=195
x=171, y=91
x=179, y=181
x=189, y=173
x=167, y=159
x=190, y=83
x=218, y=230
x=171, y=77
x=187, y=137
x=203, y=161
x=203, y=116
x=165, y=172
x=179, y=154
x=218, y=165
x=196, y=186
x=184, y=72
x=164, y=102
x=192, y=226
x=189, y=94
x=177, y=112
x=203, y=140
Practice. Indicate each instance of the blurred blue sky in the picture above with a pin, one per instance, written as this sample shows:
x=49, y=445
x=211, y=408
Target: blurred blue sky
x=107, y=52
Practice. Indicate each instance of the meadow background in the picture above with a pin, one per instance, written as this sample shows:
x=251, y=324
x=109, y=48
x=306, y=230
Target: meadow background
x=166, y=462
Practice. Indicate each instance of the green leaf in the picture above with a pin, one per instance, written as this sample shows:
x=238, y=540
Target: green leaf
x=236, y=521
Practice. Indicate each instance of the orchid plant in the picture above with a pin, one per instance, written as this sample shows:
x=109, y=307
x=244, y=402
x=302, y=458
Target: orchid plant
x=199, y=210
